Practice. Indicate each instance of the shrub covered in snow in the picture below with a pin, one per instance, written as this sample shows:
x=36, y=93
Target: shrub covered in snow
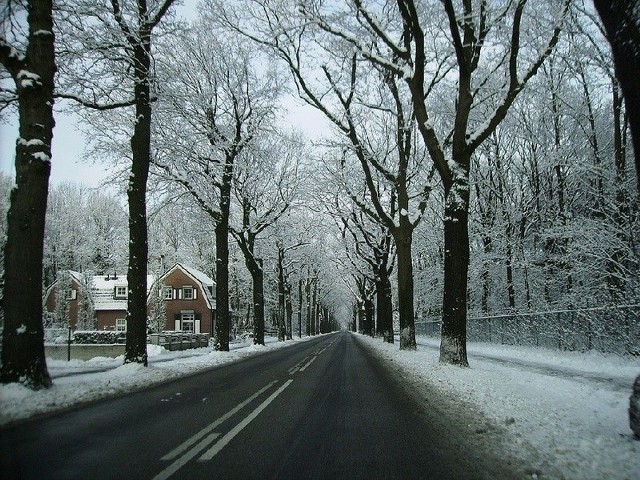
x=98, y=337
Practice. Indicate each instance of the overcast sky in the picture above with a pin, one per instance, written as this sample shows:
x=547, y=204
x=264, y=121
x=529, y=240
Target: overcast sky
x=68, y=162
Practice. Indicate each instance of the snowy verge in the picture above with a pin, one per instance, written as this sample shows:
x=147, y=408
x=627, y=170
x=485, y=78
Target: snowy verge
x=557, y=427
x=78, y=382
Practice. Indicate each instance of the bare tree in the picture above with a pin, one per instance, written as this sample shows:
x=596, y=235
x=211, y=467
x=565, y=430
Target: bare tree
x=109, y=66
x=397, y=40
x=373, y=122
x=214, y=106
x=29, y=58
x=265, y=185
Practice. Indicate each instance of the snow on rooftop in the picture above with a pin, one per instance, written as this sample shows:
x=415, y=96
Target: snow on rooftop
x=202, y=277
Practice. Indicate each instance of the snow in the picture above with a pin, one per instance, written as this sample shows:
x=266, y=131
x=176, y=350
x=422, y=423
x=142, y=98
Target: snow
x=34, y=142
x=564, y=414
x=28, y=79
x=43, y=157
x=77, y=381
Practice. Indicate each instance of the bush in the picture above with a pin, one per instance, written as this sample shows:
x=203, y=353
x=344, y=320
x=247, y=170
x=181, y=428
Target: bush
x=98, y=337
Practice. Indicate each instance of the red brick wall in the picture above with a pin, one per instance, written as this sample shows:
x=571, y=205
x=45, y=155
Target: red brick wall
x=178, y=279
x=50, y=303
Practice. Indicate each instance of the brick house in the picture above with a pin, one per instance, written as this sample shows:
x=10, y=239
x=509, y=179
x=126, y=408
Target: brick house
x=108, y=295
x=188, y=300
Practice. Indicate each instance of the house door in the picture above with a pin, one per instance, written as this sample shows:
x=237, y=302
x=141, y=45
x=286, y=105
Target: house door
x=188, y=322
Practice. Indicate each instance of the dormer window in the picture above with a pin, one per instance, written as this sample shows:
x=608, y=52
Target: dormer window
x=167, y=293
x=70, y=294
x=188, y=292
x=120, y=292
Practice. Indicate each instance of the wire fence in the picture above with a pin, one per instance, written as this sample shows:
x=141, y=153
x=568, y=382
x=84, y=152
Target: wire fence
x=603, y=329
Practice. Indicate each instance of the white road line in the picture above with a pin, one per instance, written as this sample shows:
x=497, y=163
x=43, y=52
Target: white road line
x=296, y=367
x=309, y=363
x=181, y=462
x=181, y=448
x=220, y=444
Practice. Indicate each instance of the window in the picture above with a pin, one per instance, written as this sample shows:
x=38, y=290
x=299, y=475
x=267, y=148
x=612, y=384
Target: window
x=168, y=293
x=70, y=294
x=187, y=293
x=188, y=321
x=120, y=292
x=121, y=324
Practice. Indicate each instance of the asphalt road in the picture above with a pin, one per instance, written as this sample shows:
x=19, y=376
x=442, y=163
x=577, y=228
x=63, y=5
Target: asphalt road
x=322, y=409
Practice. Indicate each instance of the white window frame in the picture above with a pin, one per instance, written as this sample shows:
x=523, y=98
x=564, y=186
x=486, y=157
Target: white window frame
x=167, y=293
x=121, y=324
x=188, y=317
x=191, y=290
x=118, y=291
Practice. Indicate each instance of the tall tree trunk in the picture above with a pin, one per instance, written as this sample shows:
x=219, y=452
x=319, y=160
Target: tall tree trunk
x=308, y=293
x=257, y=278
x=616, y=279
x=314, y=308
x=623, y=31
x=289, y=310
x=405, y=292
x=369, y=312
x=453, y=345
x=300, y=307
x=281, y=297
x=223, y=319
x=385, y=306
x=136, y=339
x=23, y=358
x=511, y=292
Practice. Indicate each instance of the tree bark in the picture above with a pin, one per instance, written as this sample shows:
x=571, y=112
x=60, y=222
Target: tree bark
x=223, y=319
x=314, y=308
x=288, y=310
x=308, y=294
x=136, y=339
x=23, y=358
x=453, y=345
x=300, y=307
x=616, y=277
x=405, y=292
x=281, y=297
x=620, y=21
x=385, y=306
x=257, y=278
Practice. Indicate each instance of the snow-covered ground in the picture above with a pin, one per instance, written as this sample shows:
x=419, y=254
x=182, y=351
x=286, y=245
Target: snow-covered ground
x=79, y=381
x=564, y=414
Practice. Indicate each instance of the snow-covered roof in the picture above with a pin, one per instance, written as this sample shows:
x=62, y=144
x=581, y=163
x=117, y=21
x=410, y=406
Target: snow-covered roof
x=202, y=277
x=102, y=289
x=206, y=283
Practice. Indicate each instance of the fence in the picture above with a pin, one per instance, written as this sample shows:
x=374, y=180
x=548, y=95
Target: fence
x=604, y=329
x=179, y=341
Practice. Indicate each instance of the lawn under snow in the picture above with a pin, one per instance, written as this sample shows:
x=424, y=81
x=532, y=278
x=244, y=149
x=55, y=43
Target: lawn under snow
x=564, y=413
